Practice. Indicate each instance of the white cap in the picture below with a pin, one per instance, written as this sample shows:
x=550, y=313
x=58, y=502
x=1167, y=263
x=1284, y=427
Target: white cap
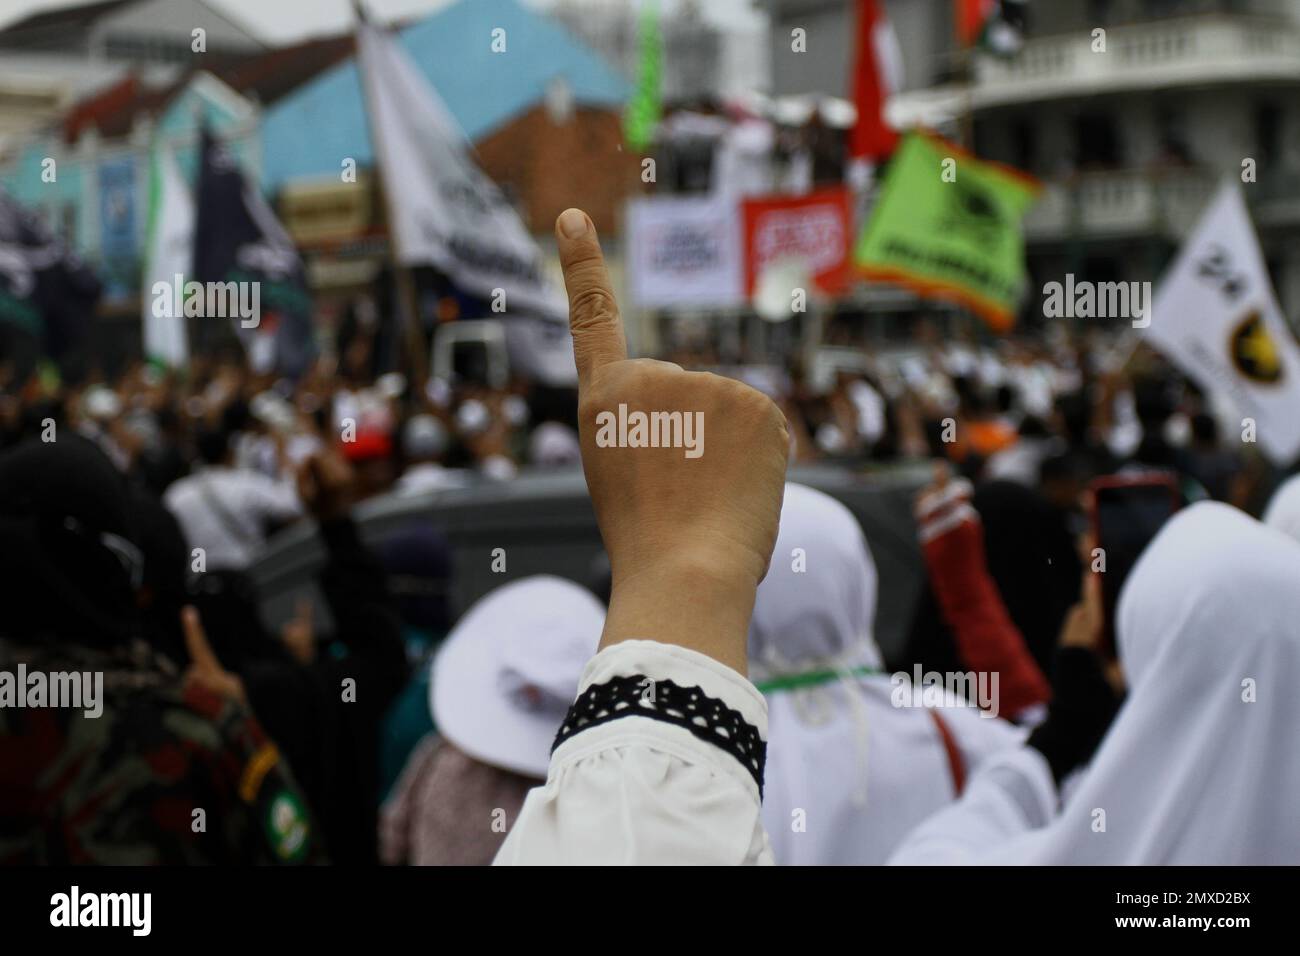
x=506, y=675
x=423, y=436
x=472, y=417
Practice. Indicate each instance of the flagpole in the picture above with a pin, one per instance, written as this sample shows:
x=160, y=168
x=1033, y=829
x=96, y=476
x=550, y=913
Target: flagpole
x=966, y=64
x=407, y=303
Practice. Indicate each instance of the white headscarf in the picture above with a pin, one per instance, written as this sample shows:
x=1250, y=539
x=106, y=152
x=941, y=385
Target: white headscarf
x=554, y=445
x=848, y=774
x=1200, y=764
x=817, y=605
x=1283, y=510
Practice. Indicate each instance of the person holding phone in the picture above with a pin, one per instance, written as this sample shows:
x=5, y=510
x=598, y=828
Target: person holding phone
x=1198, y=765
x=661, y=757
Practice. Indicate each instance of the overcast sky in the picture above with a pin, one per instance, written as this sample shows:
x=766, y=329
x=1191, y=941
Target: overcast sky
x=283, y=21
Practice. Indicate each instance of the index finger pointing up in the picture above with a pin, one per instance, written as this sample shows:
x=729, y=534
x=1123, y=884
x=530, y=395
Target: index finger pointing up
x=593, y=313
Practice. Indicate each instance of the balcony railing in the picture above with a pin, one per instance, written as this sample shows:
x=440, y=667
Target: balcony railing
x=1186, y=50
x=1120, y=203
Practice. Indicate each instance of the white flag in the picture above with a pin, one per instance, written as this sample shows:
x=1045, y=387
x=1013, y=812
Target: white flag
x=170, y=253
x=1216, y=317
x=443, y=210
x=685, y=250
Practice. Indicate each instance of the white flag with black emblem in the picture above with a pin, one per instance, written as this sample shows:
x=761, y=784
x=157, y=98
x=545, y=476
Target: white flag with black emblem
x=1216, y=317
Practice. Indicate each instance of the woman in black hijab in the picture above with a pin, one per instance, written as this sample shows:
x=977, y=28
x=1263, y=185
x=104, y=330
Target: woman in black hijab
x=1032, y=558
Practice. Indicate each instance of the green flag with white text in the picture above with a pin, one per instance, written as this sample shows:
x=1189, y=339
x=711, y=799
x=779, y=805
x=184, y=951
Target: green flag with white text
x=947, y=225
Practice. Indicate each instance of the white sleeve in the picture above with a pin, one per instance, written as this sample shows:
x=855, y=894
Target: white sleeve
x=274, y=499
x=639, y=790
x=1010, y=794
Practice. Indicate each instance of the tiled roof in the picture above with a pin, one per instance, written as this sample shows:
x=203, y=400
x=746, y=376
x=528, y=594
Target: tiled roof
x=268, y=76
x=70, y=18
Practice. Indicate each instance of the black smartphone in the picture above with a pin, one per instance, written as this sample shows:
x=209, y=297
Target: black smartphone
x=1127, y=512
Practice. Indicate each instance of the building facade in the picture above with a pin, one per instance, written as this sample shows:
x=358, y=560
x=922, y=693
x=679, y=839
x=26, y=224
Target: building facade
x=544, y=115
x=51, y=60
x=1130, y=112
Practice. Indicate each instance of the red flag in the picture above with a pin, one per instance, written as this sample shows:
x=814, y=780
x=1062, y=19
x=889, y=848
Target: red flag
x=814, y=229
x=874, y=79
x=971, y=17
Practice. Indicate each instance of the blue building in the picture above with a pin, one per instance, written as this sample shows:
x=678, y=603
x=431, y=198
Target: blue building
x=308, y=133
x=293, y=116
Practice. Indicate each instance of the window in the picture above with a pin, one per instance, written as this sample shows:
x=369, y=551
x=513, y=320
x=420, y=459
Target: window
x=1096, y=141
x=1024, y=145
x=1171, y=126
x=1268, y=130
x=1099, y=12
x=68, y=224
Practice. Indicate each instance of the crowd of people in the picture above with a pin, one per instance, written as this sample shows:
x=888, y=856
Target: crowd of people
x=727, y=700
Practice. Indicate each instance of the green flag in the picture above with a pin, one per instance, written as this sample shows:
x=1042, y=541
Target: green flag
x=643, y=110
x=947, y=225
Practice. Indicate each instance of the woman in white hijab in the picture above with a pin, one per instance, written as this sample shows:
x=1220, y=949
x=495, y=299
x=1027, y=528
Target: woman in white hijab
x=1199, y=765
x=849, y=772
x=1283, y=510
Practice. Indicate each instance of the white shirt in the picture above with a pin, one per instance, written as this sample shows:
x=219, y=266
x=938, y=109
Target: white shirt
x=224, y=511
x=1010, y=795
x=427, y=477
x=637, y=790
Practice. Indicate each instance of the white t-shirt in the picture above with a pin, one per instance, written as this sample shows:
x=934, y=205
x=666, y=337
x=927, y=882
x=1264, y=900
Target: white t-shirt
x=224, y=511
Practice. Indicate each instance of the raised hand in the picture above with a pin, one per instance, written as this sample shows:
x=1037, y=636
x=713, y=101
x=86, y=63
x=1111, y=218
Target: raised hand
x=205, y=670
x=326, y=485
x=686, y=472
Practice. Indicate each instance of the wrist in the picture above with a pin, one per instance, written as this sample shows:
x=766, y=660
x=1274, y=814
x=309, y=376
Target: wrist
x=688, y=601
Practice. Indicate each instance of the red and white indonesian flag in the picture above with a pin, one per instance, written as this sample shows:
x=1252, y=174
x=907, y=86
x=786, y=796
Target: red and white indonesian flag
x=1216, y=317
x=877, y=75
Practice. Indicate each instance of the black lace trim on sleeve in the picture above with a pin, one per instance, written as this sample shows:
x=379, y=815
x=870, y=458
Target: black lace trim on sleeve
x=706, y=717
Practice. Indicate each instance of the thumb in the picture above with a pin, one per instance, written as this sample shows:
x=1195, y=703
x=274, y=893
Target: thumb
x=196, y=640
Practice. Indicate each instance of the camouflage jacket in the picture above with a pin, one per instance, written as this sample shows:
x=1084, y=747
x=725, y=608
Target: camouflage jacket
x=163, y=775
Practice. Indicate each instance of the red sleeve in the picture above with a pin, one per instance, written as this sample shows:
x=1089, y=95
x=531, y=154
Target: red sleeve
x=987, y=639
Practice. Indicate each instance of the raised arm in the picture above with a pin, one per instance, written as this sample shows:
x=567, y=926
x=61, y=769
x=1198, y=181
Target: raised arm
x=660, y=759
x=988, y=641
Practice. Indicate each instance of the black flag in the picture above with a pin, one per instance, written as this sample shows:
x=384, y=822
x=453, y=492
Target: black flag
x=46, y=292
x=238, y=239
